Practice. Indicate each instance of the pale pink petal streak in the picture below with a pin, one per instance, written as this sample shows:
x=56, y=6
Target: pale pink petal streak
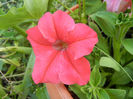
x=47, y=28
x=35, y=35
x=43, y=70
x=63, y=24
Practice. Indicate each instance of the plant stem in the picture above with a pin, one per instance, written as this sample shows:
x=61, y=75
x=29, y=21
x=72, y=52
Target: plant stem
x=80, y=9
x=16, y=75
x=20, y=30
x=84, y=7
x=116, y=50
x=49, y=4
x=132, y=9
x=25, y=50
x=64, y=6
x=73, y=8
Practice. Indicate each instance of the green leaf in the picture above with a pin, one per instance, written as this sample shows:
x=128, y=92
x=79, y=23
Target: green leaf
x=94, y=5
x=128, y=45
x=27, y=81
x=13, y=17
x=2, y=92
x=1, y=64
x=115, y=62
x=102, y=42
x=41, y=93
x=116, y=93
x=10, y=70
x=130, y=94
x=109, y=62
x=95, y=78
x=78, y=91
x=11, y=61
x=25, y=50
x=36, y=7
x=106, y=21
x=130, y=65
x=103, y=94
x=103, y=80
x=120, y=78
x=132, y=10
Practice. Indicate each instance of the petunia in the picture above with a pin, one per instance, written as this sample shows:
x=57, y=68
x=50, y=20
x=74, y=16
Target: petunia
x=59, y=46
x=118, y=5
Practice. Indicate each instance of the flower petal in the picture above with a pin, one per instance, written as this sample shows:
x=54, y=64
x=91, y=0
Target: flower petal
x=82, y=48
x=73, y=71
x=118, y=5
x=81, y=32
x=43, y=70
x=63, y=24
x=84, y=40
x=35, y=35
x=46, y=26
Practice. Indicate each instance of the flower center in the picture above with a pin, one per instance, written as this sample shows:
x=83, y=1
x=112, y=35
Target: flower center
x=59, y=45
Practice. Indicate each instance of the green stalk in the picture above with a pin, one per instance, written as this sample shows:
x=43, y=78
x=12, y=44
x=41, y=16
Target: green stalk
x=25, y=50
x=132, y=9
x=116, y=50
x=80, y=9
x=84, y=19
x=64, y=6
x=20, y=30
x=84, y=7
x=49, y=4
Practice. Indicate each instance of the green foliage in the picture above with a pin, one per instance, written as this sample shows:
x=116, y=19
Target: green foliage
x=102, y=42
x=41, y=93
x=103, y=94
x=95, y=78
x=14, y=17
x=109, y=62
x=106, y=21
x=79, y=91
x=36, y=7
x=116, y=93
x=120, y=78
x=131, y=93
x=93, y=6
x=27, y=81
x=128, y=44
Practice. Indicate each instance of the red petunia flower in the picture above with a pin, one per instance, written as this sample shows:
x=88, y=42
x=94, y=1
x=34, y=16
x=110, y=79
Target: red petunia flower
x=118, y=5
x=59, y=46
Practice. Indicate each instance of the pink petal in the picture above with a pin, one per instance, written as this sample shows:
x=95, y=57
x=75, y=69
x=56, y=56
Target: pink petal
x=35, y=35
x=124, y=4
x=73, y=71
x=43, y=70
x=82, y=48
x=84, y=40
x=63, y=24
x=46, y=26
x=118, y=5
x=80, y=32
